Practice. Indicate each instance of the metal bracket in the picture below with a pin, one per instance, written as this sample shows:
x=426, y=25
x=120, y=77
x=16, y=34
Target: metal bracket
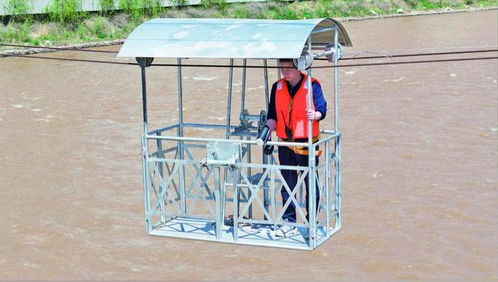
x=222, y=154
x=144, y=62
x=330, y=52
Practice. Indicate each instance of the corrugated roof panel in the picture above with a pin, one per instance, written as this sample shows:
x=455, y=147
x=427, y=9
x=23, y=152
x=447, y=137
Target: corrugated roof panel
x=223, y=38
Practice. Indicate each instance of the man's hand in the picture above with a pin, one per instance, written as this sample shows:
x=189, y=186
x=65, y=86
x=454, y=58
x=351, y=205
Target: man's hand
x=311, y=114
x=272, y=124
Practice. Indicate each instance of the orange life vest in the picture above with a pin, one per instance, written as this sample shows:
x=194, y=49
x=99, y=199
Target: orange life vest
x=291, y=112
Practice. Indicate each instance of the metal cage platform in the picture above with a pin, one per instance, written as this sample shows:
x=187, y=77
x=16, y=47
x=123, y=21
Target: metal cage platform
x=228, y=189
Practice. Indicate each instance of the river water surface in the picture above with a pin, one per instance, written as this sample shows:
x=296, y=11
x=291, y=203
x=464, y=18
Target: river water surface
x=420, y=193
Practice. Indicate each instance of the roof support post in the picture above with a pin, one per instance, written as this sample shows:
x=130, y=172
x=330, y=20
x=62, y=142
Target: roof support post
x=244, y=79
x=338, y=144
x=268, y=199
x=267, y=92
x=145, y=62
x=311, y=164
x=336, y=77
x=181, y=151
x=229, y=102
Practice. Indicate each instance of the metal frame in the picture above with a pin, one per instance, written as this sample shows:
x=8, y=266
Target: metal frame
x=189, y=197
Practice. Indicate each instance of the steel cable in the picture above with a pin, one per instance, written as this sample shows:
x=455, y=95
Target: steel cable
x=259, y=67
x=320, y=59
x=418, y=54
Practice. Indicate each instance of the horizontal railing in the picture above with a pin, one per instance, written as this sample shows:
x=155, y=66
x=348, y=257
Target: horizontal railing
x=155, y=134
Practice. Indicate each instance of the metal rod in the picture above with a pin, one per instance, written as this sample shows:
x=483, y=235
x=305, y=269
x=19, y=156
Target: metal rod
x=327, y=187
x=242, y=107
x=240, y=165
x=159, y=130
x=218, y=202
x=273, y=200
x=160, y=167
x=277, y=68
x=266, y=158
x=311, y=163
x=336, y=128
x=229, y=102
x=235, y=181
x=338, y=187
x=267, y=92
x=319, y=142
x=252, y=142
x=244, y=74
x=181, y=155
x=145, y=153
x=328, y=131
x=206, y=125
x=223, y=126
x=336, y=84
x=249, y=193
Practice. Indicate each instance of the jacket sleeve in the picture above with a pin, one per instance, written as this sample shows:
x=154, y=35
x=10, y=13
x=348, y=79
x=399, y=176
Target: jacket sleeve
x=272, y=112
x=319, y=100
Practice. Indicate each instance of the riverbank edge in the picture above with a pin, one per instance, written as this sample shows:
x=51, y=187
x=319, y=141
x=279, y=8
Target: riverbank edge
x=27, y=51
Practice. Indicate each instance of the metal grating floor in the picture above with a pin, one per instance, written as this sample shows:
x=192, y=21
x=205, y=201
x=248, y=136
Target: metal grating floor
x=256, y=234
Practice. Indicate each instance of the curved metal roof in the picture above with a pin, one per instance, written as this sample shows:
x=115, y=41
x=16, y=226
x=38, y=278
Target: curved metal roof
x=229, y=38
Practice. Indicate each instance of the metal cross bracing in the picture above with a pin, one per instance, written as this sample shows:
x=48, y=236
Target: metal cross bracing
x=189, y=193
x=238, y=203
x=235, y=198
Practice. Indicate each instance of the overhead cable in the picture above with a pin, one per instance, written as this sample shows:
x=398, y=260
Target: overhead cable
x=418, y=54
x=259, y=67
x=320, y=59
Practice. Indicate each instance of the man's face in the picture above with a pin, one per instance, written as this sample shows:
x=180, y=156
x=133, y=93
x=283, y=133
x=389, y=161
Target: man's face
x=289, y=71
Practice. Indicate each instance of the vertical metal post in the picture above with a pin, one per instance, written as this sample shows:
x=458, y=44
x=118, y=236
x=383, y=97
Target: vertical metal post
x=267, y=92
x=266, y=158
x=235, y=181
x=229, y=108
x=336, y=77
x=244, y=75
x=181, y=152
x=242, y=107
x=229, y=102
x=160, y=167
x=145, y=150
x=218, y=202
x=279, y=74
x=311, y=164
x=272, y=198
x=337, y=186
x=326, y=188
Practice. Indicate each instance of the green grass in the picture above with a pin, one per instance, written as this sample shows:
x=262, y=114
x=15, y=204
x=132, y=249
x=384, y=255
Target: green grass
x=65, y=11
x=17, y=32
x=106, y=6
x=141, y=8
x=178, y=3
x=19, y=9
x=219, y=4
x=63, y=23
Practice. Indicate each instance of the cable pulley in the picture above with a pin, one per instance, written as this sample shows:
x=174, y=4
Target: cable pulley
x=304, y=62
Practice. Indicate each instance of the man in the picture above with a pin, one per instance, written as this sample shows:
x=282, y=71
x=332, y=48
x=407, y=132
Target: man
x=288, y=115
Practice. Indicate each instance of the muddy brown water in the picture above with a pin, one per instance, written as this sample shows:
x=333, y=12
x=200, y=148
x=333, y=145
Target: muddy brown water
x=420, y=193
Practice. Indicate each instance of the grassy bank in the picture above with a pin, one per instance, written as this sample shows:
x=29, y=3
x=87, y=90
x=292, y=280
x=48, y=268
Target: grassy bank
x=64, y=24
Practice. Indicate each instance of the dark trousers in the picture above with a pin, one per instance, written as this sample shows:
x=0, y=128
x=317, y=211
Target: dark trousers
x=287, y=157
